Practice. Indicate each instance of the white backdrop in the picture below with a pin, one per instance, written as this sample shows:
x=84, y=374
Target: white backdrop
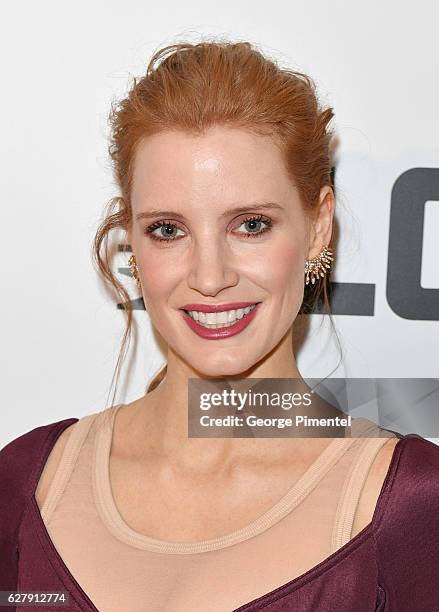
x=62, y=64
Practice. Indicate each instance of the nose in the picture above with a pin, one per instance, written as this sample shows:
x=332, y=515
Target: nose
x=211, y=268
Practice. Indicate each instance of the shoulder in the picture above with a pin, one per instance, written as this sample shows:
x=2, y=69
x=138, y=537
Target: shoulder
x=416, y=460
x=21, y=461
x=372, y=486
x=415, y=475
x=407, y=530
x=51, y=465
x=409, y=505
x=418, y=463
x=23, y=458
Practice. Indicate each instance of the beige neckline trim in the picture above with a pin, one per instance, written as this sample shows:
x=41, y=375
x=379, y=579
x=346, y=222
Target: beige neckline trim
x=120, y=529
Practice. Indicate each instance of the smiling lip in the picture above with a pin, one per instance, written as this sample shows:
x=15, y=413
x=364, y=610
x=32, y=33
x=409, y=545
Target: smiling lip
x=220, y=332
x=217, y=307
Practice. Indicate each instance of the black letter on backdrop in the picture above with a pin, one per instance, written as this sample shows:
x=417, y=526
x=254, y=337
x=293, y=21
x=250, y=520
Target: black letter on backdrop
x=405, y=296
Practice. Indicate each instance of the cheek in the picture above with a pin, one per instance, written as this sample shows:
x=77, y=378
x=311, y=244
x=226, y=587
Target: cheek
x=158, y=282
x=282, y=268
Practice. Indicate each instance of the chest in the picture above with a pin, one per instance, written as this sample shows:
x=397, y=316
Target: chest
x=160, y=501
x=276, y=572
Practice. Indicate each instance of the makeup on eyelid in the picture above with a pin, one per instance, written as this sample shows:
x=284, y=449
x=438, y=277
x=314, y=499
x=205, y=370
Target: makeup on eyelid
x=149, y=230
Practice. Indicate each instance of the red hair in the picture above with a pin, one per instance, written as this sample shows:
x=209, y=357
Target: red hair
x=191, y=87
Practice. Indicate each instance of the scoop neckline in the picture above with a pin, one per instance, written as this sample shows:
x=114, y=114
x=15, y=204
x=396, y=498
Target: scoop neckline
x=117, y=525
x=274, y=595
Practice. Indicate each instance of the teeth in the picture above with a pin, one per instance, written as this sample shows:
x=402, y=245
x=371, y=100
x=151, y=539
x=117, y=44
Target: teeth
x=201, y=317
x=224, y=318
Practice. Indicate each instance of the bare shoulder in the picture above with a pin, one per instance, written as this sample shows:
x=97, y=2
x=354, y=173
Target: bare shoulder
x=372, y=486
x=51, y=465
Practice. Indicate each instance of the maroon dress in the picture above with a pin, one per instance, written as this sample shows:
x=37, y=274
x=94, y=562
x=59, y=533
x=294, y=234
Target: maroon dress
x=391, y=565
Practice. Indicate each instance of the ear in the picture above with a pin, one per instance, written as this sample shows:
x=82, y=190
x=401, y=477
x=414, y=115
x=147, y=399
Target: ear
x=321, y=223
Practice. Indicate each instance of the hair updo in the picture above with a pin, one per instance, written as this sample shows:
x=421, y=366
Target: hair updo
x=191, y=87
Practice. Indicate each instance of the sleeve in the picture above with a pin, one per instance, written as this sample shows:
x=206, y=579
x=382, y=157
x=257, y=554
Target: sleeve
x=21, y=464
x=407, y=535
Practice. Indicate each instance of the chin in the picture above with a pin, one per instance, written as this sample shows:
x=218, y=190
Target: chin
x=216, y=367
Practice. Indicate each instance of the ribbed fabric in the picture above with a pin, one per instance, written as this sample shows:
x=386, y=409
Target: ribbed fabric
x=350, y=495
x=147, y=573
x=288, y=566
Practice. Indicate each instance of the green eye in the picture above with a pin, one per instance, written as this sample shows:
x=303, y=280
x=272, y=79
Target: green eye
x=164, y=231
x=168, y=231
x=254, y=226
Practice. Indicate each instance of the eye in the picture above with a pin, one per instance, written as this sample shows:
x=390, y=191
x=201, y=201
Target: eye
x=168, y=231
x=254, y=226
x=164, y=231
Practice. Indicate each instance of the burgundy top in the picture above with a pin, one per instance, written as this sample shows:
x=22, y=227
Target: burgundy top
x=392, y=565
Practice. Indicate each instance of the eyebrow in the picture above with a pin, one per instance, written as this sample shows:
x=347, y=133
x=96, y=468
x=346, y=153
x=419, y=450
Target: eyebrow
x=153, y=214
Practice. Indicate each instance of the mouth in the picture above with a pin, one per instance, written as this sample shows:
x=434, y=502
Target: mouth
x=219, y=321
x=221, y=318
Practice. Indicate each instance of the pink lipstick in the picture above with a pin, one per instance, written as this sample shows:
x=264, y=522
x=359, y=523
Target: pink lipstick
x=216, y=333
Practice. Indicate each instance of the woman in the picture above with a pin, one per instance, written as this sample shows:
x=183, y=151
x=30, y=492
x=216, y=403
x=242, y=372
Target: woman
x=223, y=163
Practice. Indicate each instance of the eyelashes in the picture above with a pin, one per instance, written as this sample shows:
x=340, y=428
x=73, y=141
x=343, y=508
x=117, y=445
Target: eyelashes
x=162, y=225
x=168, y=230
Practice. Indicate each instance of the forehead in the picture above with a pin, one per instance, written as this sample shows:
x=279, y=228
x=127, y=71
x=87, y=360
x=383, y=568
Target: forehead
x=221, y=160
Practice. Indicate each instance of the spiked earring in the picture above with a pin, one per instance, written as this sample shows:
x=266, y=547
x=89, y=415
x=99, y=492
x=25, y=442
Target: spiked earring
x=318, y=266
x=134, y=271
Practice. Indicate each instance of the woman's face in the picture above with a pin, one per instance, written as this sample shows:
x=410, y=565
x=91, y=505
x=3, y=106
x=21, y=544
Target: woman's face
x=218, y=226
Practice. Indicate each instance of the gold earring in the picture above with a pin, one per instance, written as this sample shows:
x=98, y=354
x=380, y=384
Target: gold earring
x=318, y=266
x=134, y=270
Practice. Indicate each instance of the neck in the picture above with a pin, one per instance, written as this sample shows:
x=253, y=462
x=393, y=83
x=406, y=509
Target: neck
x=164, y=415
